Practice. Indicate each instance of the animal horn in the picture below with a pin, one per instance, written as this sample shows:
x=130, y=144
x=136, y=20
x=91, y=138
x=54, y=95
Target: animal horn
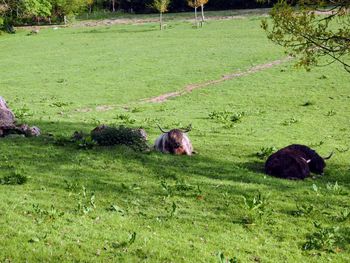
x=307, y=161
x=160, y=128
x=328, y=157
x=189, y=128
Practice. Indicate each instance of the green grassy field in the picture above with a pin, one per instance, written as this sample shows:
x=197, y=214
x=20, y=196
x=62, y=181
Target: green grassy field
x=112, y=204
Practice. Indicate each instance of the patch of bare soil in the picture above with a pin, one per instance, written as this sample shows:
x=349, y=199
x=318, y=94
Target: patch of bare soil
x=104, y=108
x=118, y=21
x=191, y=87
x=83, y=110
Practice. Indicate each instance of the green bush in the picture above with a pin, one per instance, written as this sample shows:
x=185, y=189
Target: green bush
x=108, y=136
x=13, y=179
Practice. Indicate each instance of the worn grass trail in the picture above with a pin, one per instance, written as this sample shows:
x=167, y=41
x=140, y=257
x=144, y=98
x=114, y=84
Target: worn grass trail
x=111, y=204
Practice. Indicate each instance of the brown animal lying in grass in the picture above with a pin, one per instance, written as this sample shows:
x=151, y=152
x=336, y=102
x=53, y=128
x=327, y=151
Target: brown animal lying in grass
x=174, y=141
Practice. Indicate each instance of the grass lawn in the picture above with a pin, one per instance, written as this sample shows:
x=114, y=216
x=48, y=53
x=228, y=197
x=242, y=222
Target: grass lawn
x=112, y=204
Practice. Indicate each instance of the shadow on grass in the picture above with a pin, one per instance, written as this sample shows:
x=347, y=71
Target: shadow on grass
x=106, y=168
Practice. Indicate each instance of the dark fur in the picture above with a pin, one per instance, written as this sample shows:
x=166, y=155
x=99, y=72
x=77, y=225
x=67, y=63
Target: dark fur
x=286, y=164
x=316, y=164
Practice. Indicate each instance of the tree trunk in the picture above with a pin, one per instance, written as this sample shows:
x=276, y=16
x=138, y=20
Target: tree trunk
x=196, y=16
x=113, y=5
x=202, y=9
x=161, y=20
x=65, y=19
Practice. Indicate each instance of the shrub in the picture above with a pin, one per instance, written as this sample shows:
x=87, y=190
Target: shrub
x=13, y=179
x=108, y=136
x=323, y=238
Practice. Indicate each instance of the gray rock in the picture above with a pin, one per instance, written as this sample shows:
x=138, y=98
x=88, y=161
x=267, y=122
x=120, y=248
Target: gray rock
x=7, y=118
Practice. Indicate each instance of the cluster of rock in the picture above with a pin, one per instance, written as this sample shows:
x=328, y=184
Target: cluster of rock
x=8, y=125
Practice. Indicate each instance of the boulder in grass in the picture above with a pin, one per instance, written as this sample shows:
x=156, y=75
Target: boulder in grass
x=7, y=118
x=8, y=123
x=33, y=131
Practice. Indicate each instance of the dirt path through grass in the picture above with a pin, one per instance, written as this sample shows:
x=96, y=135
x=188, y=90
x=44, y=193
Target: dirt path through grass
x=191, y=87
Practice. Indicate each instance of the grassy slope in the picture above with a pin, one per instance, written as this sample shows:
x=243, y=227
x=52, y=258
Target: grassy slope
x=84, y=68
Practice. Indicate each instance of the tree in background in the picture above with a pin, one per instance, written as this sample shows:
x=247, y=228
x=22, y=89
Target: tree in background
x=202, y=3
x=68, y=8
x=312, y=30
x=36, y=8
x=90, y=4
x=113, y=2
x=8, y=11
x=195, y=4
x=161, y=6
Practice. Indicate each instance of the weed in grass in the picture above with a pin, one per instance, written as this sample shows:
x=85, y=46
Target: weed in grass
x=334, y=188
x=316, y=144
x=180, y=187
x=290, y=121
x=172, y=210
x=34, y=240
x=125, y=119
x=342, y=149
x=86, y=202
x=316, y=189
x=22, y=113
x=228, y=118
x=265, y=152
x=308, y=103
x=130, y=188
x=86, y=143
x=236, y=117
x=123, y=244
x=14, y=178
x=303, y=210
x=41, y=215
x=117, y=209
x=324, y=238
x=257, y=209
x=150, y=121
x=167, y=188
x=223, y=259
x=331, y=113
x=59, y=104
x=62, y=141
x=136, y=110
x=343, y=215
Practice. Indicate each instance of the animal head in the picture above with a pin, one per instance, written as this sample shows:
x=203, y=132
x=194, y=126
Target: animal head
x=174, y=141
x=317, y=163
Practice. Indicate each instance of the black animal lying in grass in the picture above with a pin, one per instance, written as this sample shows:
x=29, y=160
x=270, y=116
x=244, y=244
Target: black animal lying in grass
x=316, y=162
x=295, y=162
